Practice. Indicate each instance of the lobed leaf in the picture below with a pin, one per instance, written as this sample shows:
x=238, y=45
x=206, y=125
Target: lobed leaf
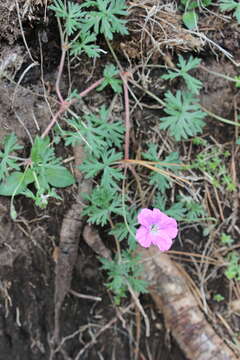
x=184, y=116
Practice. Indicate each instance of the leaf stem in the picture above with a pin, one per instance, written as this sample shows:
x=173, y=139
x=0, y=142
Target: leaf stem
x=127, y=115
x=219, y=118
x=59, y=75
x=226, y=77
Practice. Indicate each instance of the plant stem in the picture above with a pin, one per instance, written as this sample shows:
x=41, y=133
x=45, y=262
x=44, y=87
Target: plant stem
x=219, y=118
x=59, y=75
x=64, y=105
x=90, y=88
x=226, y=77
x=161, y=102
x=52, y=123
x=113, y=54
x=127, y=117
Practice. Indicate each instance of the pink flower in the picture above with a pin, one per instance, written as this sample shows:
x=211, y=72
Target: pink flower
x=156, y=228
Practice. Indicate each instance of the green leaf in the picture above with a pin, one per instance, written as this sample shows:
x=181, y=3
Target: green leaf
x=191, y=4
x=162, y=182
x=233, y=267
x=40, y=152
x=110, y=175
x=190, y=19
x=184, y=116
x=194, y=210
x=59, y=177
x=127, y=231
x=85, y=43
x=46, y=166
x=193, y=84
x=72, y=14
x=41, y=198
x=229, y=5
x=177, y=211
x=123, y=272
x=96, y=131
x=8, y=163
x=109, y=79
x=218, y=297
x=105, y=20
x=16, y=183
x=237, y=79
x=226, y=239
x=103, y=202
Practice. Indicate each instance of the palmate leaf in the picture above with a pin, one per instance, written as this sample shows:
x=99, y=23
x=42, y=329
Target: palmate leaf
x=72, y=14
x=233, y=267
x=110, y=175
x=185, y=118
x=96, y=131
x=127, y=231
x=42, y=153
x=103, y=202
x=193, y=84
x=229, y=5
x=184, y=209
x=161, y=181
x=124, y=272
x=85, y=134
x=85, y=43
x=98, y=127
x=109, y=73
x=105, y=20
x=177, y=210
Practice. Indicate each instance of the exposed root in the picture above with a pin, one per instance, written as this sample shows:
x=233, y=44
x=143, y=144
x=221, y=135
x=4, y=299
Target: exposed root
x=93, y=240
x=182, y=315
x=68, y=245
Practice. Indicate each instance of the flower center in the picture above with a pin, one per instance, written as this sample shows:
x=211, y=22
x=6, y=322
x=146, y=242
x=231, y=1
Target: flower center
x=154, y=228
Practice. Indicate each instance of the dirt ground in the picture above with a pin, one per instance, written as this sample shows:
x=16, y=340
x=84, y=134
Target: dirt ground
x=89, y=328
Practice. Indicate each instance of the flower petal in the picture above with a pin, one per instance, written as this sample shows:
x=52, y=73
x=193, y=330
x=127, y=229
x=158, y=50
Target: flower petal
x=164, y=244
x=161, y=234
x=145, y=217
x=162, y=240
x=158, y=216
x=170, y=228
x=142, y=236
x=166, y=223
x=153, y=237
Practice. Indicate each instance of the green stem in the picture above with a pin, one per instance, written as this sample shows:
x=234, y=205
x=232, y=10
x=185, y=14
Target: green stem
x=219, y=118
x=113, y=54
x=226, y=77
x=161, y=102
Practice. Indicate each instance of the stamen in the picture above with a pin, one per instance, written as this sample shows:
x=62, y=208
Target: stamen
x=154, y=228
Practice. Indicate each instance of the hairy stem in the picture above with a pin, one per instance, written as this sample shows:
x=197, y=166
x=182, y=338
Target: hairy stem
x=66, y=104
